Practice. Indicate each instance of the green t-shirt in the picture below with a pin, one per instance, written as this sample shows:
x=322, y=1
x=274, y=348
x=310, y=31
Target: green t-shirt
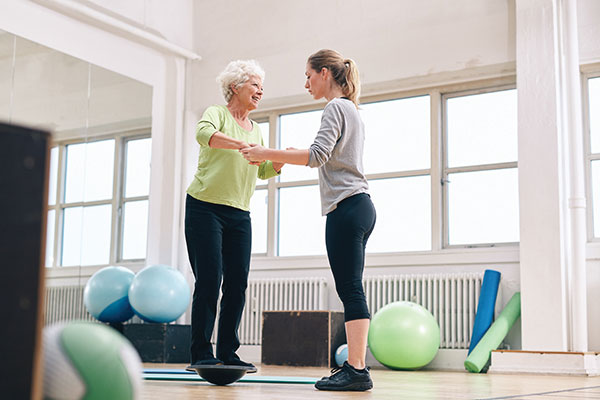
x=224, y=176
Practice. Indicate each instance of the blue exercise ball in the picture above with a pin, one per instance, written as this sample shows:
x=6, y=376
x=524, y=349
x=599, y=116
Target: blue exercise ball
x=341, y=355
x=159, y=293
x=106, y=294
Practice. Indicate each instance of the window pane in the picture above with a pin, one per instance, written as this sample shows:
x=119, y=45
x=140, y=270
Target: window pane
x=301, y=226
x=403, y=208
x=52, y=176
x=483, y=207
x=482, y=128
x=397, y=135
x=594, y=96
x=135, y=229
x=137, y=172
x=90, y=171
x=264, y=129
x=50, y=238
x=596, y=196
x=258, y=213
x=86, y=235
x=298, y=131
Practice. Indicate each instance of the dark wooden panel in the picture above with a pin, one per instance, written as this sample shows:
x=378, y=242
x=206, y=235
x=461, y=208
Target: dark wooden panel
x=160, y=343
x=301, y=338
x=23, y=199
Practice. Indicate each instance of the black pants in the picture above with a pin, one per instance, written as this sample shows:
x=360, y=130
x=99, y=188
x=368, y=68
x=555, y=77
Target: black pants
x=347, y=230
x=219, y=243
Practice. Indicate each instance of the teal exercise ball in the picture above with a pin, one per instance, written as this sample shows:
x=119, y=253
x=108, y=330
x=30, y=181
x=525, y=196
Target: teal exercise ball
x=404, y=335
x=159, y=293
x=91, y=361
x=106, y=294
x=341, y=355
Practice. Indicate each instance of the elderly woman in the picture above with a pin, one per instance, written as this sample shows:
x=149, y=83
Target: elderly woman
x=217, y=218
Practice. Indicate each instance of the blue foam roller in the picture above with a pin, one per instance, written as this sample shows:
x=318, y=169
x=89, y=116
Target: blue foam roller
x=485, y=307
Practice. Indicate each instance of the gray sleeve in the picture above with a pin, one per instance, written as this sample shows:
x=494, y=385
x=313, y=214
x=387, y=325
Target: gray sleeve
x=332, y=124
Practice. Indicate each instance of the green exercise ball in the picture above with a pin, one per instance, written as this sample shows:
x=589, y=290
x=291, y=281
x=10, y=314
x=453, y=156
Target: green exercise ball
x=404, y=335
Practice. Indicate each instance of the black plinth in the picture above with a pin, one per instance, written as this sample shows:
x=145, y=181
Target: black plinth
x=160, y=343
x=302, y=338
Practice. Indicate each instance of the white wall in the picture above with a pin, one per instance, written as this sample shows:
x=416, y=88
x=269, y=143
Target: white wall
x=170, y=19
x=389, y=39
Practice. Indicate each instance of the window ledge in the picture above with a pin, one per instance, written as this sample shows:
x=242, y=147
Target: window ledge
x=494, y=255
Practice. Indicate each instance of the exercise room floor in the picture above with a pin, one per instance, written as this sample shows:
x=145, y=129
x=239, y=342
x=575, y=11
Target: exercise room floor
x=388, y=385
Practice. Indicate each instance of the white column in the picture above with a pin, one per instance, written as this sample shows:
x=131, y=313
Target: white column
x=551, y=196
x=573, y=135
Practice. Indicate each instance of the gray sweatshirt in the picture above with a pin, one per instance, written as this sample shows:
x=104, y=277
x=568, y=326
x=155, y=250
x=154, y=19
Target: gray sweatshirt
x=338, y=152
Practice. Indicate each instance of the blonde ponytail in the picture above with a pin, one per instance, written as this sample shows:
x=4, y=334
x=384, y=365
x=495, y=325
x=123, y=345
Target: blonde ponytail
x=343, y=70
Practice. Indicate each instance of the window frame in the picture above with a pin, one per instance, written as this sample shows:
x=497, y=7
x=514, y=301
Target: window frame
x=592, y=72
x=117, y=201
x=446, y=171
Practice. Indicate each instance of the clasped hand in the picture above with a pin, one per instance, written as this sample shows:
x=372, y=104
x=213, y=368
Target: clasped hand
x=254, y=153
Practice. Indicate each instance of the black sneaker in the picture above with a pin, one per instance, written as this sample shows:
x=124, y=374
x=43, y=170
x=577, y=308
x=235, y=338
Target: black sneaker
x=236, y=361
x=207, y=361
x=346, y=378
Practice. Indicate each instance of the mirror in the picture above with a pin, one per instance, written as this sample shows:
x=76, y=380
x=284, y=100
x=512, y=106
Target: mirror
x=100, y=156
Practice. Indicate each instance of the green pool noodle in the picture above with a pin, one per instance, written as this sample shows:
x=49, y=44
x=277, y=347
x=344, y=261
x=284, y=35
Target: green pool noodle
x=480, y=355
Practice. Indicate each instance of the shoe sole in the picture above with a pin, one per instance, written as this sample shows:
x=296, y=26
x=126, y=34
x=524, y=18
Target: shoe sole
x=357, y=386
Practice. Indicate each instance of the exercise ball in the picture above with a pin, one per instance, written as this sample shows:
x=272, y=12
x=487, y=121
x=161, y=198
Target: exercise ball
x=91, y=361
x=341, y=355
x=159, y=293
x=404, y=335
x=105, y=294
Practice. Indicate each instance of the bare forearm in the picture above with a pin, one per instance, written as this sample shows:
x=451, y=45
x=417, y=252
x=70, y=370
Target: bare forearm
x=221, y=141
x=296, y=157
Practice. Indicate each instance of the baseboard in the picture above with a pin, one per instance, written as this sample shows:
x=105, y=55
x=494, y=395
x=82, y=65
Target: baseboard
x=445, y=360
x=542, y=362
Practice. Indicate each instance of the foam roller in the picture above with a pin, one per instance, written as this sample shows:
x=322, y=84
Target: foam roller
x=485, y=307
x=480, y=355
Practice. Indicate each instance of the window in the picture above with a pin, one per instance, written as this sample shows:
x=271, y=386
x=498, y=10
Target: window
x=593, y=96
x=480, y=175
x=135, y=200
x=97, y=216
x=397, y=162
x=442, y=171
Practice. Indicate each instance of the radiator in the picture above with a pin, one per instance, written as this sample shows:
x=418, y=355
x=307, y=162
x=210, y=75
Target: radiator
x=277, y=295
x=451, y=298
x=64, y=303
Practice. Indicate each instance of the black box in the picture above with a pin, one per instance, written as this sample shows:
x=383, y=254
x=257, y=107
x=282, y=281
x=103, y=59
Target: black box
x=302, y=338
x=160, y=343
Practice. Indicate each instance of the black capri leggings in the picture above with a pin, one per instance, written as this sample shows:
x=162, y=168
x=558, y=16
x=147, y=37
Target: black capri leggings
x=347, y=230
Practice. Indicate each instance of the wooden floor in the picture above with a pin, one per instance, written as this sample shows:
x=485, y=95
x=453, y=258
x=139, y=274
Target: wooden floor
x=388, y=385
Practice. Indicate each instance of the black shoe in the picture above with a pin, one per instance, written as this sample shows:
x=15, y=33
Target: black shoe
x=206, y=361
x=236, y=361
x=346, y=378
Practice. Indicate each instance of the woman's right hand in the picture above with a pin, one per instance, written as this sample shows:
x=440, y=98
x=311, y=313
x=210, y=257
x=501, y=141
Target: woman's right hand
x=254, y=153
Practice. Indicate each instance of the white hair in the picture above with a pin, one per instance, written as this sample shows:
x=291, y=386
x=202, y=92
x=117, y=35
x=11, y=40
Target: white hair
x=236, y=73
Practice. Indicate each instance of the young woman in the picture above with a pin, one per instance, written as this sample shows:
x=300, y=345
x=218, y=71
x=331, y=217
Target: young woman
x=338, y=151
